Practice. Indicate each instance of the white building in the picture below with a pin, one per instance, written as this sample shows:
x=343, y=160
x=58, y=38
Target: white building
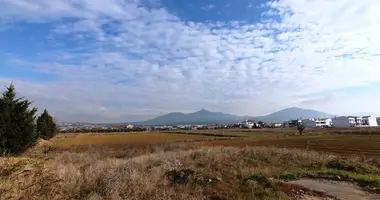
x=249, y=124
x=328, y=122
x=353, y=121
x=317, y=123
x=277, y=124
x=344, y=122
x=369, y=121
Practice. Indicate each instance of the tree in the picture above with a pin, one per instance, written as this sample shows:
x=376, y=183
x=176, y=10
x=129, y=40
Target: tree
x=46, y=126
x=300, y=128
x=17, y=123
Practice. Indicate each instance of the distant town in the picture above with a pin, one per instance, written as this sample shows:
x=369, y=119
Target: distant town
x=337, y=122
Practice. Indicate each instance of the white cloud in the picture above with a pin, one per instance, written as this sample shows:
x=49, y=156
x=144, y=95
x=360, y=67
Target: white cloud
x=130, y=62
x=210, y=7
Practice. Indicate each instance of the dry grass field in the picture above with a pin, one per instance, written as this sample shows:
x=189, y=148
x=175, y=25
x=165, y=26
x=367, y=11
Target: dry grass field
x=209, y=165
x=123, y=138
x=367, y=145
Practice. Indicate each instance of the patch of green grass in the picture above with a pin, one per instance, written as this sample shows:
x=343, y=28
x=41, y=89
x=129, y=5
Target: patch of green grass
x=360, y=168
x=258, y=177
x=290, y=176
x=313, y=166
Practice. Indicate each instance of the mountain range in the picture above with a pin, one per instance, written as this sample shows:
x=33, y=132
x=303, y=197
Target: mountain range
x=207, y=117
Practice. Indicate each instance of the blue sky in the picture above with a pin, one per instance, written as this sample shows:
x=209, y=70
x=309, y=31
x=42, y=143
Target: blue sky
x=131, y=60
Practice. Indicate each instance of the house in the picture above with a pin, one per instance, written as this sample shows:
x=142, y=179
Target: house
x=249, y=124
x=309, y=123
x=130, y=126
x=344, y=121
x=358, y=121
x=276, y=125
x=328, y=122
x=369, y=121
x=292, y=123
x=378, y=121
x=317, y=123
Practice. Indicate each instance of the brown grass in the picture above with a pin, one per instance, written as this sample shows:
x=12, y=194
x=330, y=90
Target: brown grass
x=156, y=166
x=84, y=174
x=361, y=145
x=122, y=138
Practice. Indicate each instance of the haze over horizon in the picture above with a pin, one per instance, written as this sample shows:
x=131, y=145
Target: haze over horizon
x=132, y=60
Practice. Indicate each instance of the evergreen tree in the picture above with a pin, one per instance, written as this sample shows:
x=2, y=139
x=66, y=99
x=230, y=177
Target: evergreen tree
x=46, y=126
x=17, y=123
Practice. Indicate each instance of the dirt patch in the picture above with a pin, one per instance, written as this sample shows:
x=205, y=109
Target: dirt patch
x=339, y=190
x=300, y=192
x=308, y=197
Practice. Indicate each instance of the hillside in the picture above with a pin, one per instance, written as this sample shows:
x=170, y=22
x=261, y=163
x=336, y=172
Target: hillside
x=201, y=117
x=293, y=113
x=206, y=117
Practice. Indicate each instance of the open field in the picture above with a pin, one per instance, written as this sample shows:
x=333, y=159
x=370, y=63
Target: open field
x=175, y=171
x=358, y=141
x=122, y=138
x=367, y=145
x=195, y=165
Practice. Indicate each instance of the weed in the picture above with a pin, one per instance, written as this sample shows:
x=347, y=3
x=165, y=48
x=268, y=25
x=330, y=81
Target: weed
x=361, y=168
x=289, y=176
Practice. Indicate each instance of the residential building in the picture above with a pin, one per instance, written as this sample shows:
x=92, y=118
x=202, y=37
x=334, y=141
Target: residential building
x=292, y=123
x=378, y=121
x=249, y=124
x=309, y=123
x=369, y=121
x=328, y=122
x=276, y=125
x=317, y=123
x=345, y=121
x=130, y=126
x=358, y=121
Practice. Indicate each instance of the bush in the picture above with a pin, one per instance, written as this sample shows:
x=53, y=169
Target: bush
x=17, y=123
x=46, y=126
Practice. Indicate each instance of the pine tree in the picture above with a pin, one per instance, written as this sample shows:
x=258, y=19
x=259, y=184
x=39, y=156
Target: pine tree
x=17, y=123
x=46, y=126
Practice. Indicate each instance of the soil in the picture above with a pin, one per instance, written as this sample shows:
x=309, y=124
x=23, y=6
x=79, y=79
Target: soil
x=338, y=190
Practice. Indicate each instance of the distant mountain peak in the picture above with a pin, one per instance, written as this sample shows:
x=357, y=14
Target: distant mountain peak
x=203, y=111
x=204, y=116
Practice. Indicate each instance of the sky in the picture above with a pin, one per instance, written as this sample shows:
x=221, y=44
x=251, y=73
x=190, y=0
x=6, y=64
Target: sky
x=132, y=60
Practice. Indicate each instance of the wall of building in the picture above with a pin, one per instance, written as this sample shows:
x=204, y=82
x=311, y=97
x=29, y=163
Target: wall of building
x=341, y=123
x=372, y=121
x=328, y=122
x=309, y=123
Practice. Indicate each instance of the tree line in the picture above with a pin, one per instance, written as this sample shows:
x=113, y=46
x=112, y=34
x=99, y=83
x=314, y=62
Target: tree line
x=20, y=128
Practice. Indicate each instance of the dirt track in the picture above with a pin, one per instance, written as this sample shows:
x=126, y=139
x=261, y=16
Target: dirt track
x=340, y=190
